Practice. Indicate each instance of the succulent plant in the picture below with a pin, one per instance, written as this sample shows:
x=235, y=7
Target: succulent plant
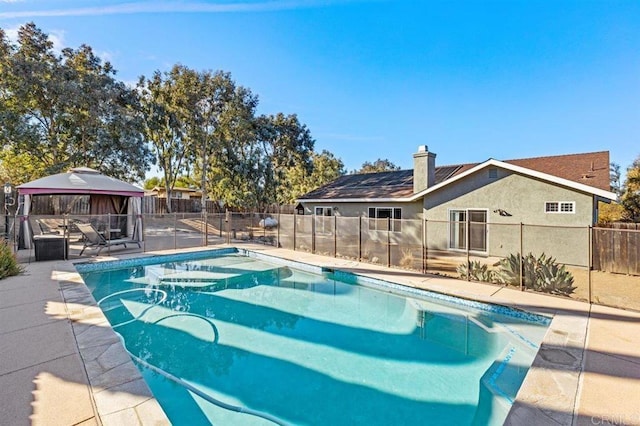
x=477, y=271
x=542, y=274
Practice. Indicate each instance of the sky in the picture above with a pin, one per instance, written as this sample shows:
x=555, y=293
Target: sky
x=472, y=80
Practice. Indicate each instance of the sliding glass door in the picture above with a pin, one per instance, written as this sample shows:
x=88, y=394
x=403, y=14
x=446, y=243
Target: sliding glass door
x=477, y=230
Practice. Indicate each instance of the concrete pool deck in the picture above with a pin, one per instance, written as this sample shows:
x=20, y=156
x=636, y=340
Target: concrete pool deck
x=61, y=363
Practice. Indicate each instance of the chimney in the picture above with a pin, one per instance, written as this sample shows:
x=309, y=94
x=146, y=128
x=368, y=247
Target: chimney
x=424, y=169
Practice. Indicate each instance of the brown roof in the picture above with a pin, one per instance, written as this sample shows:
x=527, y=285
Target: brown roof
x=590, y=168
x=367, y=185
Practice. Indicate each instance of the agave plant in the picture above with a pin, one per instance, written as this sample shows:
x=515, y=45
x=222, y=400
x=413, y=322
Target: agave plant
x=477, y=271
x=542, y=274
x=509, y=272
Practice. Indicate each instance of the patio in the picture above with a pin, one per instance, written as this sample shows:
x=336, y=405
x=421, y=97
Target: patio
x=62, y=364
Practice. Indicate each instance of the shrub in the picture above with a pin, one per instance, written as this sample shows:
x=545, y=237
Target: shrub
x=407, y=259
x=8, y=264
x=541, y=274
x=477, y=271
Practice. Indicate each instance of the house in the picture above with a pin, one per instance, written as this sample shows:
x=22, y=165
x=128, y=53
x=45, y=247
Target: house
x=176, y=193
x=490, y=199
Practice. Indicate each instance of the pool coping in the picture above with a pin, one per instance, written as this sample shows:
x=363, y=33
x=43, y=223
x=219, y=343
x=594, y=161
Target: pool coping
x=563, y=348
x=550, y=393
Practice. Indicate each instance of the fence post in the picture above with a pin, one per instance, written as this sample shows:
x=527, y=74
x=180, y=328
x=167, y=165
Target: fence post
x=295, y=222
x=142, y=231
x=175, y=230
x=16, y=228
x=313, y=234
x=206, y=227
x=611, y=260
x=359, y=238
x=264, y=230
x=65, y=237
x=335, y=236
x=521, y=258
x=220, y=227
x=466, y=238
x=278, y=230
x=388, y=242
x=590, y=260
x=424, y=247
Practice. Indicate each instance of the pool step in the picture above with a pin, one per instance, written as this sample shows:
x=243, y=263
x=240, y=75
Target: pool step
x=499, y=385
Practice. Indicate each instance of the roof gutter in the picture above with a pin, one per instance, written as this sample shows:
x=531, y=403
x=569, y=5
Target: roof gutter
x=357, y=200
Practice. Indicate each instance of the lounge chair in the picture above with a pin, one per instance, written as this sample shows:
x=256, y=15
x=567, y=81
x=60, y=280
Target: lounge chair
x=93, y=238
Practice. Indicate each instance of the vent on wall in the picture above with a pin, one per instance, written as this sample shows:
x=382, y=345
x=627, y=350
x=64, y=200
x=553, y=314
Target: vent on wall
x=493, y=173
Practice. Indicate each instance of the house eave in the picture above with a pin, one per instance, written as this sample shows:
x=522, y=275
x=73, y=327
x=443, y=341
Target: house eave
x=357, y=200
x=524, y=171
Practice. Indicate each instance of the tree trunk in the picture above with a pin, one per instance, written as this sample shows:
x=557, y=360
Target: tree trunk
x=203, y=180
x=168, y=192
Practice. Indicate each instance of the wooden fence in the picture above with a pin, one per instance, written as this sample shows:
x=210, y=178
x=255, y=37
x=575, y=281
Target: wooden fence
x=617, y=248
x=155, y=205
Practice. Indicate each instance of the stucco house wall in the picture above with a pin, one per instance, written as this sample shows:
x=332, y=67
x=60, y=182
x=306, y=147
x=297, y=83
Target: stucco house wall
x=375, y=238
x=522, y=200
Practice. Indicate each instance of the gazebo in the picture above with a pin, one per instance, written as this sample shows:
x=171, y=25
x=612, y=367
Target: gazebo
x=106, y=195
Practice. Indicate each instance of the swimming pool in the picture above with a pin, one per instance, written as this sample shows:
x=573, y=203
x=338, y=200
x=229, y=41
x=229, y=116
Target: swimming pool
x=220, y=332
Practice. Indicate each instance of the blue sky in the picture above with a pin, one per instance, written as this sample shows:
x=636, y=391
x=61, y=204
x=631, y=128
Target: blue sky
x=374, y=79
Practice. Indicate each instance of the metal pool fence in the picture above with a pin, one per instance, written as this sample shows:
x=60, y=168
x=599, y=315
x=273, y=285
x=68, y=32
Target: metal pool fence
x=598, y=265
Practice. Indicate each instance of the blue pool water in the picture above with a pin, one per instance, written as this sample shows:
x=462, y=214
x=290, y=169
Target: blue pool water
x=295, y=347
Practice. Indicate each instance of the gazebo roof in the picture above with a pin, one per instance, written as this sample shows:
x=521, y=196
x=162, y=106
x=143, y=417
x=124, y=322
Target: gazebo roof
x=80, y=180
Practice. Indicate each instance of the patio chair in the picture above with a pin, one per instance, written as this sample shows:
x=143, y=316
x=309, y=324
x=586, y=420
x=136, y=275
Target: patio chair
x=93, y=238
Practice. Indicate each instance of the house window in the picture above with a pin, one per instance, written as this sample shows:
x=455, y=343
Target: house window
x=560, y=207
x=324, y=211
x=379, y=219
x=324, y=223
x=493, y=173
x=477, y=230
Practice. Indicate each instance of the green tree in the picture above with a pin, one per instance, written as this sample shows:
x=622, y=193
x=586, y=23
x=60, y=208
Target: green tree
x=68, y=110
x=325, y=168
x=232, y=164
x=286, y=144
x=162, y=97
x=152, y=182
x=630, y=198
x=182, y=181
x=379, y=165
x=614, y=178
x=19, y=168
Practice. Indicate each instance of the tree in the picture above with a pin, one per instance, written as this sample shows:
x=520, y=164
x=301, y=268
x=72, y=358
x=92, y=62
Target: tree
x=286, y=144
x=164, y=123
x=227, y=155
x=379, y=165
x=325, y=168
x=18, y=168
x=614, y=178
x=630, y=198
x=152, y=182
x=68, y=110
